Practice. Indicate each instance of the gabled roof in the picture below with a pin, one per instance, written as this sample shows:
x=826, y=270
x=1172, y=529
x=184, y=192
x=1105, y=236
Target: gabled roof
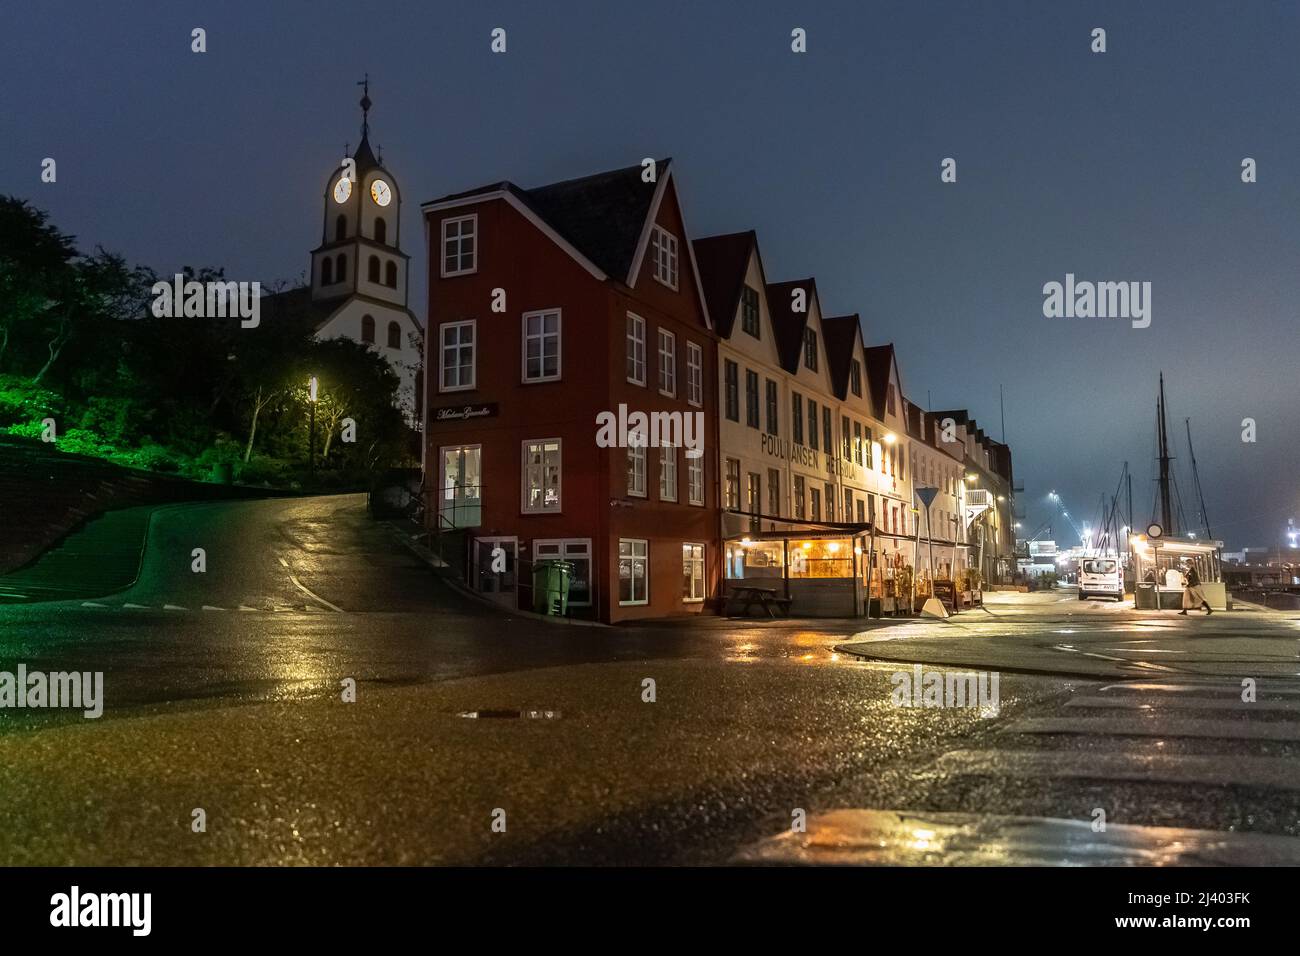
x=881, y=363
x=724, y=261
x=601, y=216
x=788, y=325
x=840, y=333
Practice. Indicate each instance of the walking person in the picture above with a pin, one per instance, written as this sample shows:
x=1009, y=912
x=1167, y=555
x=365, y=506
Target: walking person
x=1193, y=596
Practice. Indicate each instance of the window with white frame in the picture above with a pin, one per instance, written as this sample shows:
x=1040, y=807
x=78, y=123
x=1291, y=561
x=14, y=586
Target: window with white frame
x=541, y=351
x=633, y=571
x=635, y=349
x=541, y=475
x=663, y=250
x=577, y=551
x=636, y=470
x=456, y=370
x=695, y=478
x=667, y=473
x=459, y=252
x=694, y=374
x=692, y=572
x=667, y=363
x=461, y=486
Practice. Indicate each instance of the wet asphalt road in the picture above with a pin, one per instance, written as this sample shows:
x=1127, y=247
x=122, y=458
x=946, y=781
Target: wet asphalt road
x=235, y=709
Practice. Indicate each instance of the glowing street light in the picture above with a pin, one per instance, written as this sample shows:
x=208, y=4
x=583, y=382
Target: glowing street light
x=311, y=449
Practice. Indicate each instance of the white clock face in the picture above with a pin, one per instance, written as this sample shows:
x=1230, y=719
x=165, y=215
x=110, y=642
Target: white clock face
x=380, y=192
x=342, y=189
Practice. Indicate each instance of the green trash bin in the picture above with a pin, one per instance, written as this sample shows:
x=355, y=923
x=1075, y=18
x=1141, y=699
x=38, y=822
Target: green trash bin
x=551, y=586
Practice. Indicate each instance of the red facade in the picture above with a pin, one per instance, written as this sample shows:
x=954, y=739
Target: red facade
x=533, y=254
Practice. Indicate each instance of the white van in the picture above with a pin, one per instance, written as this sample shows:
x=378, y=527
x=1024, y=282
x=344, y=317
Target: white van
x=1101, y=577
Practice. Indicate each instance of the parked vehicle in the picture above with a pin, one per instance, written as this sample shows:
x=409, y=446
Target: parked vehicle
x=1101, y=577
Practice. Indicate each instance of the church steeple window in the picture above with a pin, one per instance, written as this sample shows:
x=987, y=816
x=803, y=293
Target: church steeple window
x=340, y=228
x=342, y=268
x=381, y=230
x=373, y=270
x=394, y=336
x=327, y=271
x=390, y=275
x=368, y=329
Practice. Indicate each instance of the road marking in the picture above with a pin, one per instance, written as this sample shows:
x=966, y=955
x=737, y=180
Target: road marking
x=1159, y=727
x=1216, y=770
x=209, y=607
x=1166, y=704
x=174, y=607
x=137, y=607
x=245, y=607
x=308, y=591
x=1210, y=686
x=92, y=604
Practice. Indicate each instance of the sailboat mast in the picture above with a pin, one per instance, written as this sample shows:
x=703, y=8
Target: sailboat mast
x=1166, y=502
x=1196, y=480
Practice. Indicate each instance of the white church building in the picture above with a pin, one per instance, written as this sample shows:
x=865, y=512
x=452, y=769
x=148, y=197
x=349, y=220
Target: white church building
x=359, y=278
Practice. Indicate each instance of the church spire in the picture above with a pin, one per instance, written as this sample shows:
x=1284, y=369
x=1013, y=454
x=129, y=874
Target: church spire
x=365, y=106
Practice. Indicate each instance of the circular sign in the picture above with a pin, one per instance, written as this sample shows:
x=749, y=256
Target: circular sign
x=1154, y=530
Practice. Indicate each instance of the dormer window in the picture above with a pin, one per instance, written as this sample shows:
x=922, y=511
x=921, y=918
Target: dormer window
x=810, y=350
x=749, y=311
x=663, y=252
x=855, y=377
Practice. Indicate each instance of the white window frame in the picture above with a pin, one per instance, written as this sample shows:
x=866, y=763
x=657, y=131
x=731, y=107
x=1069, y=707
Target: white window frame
x=667, y=472
x=667, y=363
x=454, y=506
x=541, y=338
x=460, y=235
x=525, y=464
x=695, y=479
x=562, y=546
x=635, y=338
x=663, y=252
x=694, y=564
x=637, y=454
x=442, y=355
x=694, y=374
x=644, y=558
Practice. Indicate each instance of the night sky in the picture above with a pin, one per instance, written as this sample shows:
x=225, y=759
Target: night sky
x=1116, y=167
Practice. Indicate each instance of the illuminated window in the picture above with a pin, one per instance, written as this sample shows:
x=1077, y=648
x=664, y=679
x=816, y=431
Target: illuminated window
x=692, y=572
x=541, y=478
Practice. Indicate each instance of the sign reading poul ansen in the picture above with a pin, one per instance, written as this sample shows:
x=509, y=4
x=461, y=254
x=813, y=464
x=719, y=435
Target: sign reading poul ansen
x=463, y=413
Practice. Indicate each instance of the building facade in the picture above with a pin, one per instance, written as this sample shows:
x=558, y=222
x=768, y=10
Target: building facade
x=557, y=316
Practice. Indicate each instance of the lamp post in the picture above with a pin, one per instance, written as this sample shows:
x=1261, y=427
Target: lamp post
x=311, y=452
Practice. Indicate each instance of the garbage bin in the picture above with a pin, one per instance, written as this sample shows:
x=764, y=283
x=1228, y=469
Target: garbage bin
x=551, y=586
x=1145, y=597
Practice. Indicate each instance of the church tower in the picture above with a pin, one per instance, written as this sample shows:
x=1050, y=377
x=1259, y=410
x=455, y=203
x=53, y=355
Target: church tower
x=360, y=251
x=358, y=284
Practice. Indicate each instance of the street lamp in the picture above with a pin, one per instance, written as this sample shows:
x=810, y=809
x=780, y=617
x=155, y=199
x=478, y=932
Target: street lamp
x=311, y=453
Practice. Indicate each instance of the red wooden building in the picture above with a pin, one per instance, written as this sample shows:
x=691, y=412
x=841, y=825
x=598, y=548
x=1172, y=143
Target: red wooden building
x=549, y=308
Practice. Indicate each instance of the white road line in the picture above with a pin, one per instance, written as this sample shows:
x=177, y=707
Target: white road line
x=137, y=607
x=92, y=604
x=1159, y=727
x=174, y=607
x=308, y=591
x=1178, y=703
x=1217, y=770
x=209, y=607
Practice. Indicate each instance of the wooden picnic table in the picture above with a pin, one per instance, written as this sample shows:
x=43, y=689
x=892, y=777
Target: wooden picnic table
x=749, y=595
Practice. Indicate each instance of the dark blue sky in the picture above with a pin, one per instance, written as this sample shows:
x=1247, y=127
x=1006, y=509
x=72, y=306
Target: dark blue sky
x=1122, y=166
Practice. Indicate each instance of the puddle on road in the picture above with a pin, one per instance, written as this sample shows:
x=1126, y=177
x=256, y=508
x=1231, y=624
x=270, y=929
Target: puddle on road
x=532, y=714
